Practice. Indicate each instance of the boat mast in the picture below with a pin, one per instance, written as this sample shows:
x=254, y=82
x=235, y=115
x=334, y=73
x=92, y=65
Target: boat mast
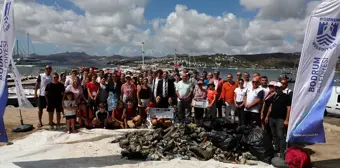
x=143, y=55
x=175, y=61
x=18, y=48
x=28, y=44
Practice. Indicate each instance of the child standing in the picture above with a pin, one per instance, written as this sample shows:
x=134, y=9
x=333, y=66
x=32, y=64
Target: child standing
x=70, y=108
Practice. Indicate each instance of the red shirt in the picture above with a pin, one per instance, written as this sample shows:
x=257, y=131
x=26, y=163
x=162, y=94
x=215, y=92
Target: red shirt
x=211, y=94
x=152, y=104
x=130, y=113
x=93, y=87
x=118, y=113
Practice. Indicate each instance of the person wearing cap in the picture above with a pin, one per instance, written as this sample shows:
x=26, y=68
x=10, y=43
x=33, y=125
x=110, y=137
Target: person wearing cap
x=212, y=98
x=278, y=118
x=200, y=95
x=253, y=101
x=227, y=96
x=128, y=90
x=218, y=87
x=42, y=81
x=267, y=101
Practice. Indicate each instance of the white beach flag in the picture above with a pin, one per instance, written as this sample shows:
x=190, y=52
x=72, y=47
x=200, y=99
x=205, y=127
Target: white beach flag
x=315, y=75
x=22, y=99
x=7, y=39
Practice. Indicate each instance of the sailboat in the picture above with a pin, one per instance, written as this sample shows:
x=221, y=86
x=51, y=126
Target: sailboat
x=28, y=61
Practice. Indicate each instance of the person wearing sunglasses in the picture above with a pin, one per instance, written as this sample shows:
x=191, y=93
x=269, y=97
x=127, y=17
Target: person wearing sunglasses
x=54, y=93
x=42, y=81
x=253, y=101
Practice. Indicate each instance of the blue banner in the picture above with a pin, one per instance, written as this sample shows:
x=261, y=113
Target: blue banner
x=314, y=80
x=3, y=103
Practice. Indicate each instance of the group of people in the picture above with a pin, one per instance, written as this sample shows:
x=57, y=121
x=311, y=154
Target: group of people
x=95, y=99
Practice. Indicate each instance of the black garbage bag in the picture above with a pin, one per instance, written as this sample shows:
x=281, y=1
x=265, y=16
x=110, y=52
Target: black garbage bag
x=223, y=140
x=259, y=145
x=207, y=125
x=244, y=130
x=218, y=124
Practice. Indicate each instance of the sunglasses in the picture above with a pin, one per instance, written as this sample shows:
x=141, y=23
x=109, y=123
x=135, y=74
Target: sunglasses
x=55, y=77
x=48, y=68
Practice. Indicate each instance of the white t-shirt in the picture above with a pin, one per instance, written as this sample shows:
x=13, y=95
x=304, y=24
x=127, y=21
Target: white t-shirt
x=44, y=81
x=248, y=84
x=240, y=93
x=69, y=103
x=252, y=95
x=266, y=90
x=184, y=88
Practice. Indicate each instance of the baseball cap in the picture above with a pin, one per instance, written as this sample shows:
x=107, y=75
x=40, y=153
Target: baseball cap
x=127, y=76
x=272, y=83
x=278, y=84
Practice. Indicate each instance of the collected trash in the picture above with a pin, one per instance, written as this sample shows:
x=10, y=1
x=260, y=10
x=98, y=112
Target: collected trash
x=259, y=144
x=190, y=141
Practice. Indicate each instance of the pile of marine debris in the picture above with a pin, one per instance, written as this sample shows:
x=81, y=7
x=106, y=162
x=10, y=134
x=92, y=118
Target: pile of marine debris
x=217, y=139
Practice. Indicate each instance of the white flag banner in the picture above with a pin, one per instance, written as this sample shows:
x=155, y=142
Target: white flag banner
x=7, y=39
x=315, y=75
x=20, y=92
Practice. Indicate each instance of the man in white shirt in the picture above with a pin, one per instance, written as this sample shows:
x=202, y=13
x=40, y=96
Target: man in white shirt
x=69, y=79
x=42, y=81
x=264, y=85
x=184, y=91
x=247, y=83
x=252, y=101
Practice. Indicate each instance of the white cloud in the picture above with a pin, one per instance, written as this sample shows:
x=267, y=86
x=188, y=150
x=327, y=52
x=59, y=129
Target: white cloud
x=118, y=24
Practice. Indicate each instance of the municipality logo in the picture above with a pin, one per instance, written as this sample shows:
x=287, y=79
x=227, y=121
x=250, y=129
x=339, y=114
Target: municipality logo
x=327, y=32
x=6, y=25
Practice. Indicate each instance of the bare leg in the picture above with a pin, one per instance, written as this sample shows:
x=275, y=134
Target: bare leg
x=40, y=113
x=50, y=118
x=68, y=125
x=73, y=124
x=58, y=118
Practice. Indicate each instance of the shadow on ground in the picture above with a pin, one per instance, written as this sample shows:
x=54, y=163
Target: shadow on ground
x=333, y=163
x=102, y=161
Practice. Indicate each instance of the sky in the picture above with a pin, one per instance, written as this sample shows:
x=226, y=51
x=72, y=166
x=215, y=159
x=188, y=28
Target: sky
x=110, y=27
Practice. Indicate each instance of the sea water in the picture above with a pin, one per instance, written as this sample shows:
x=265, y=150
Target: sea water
x=271, y=74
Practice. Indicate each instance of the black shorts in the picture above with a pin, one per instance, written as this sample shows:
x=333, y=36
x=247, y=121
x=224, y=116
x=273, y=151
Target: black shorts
x=42, y=102
x=70, y=117
x=52, y=107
